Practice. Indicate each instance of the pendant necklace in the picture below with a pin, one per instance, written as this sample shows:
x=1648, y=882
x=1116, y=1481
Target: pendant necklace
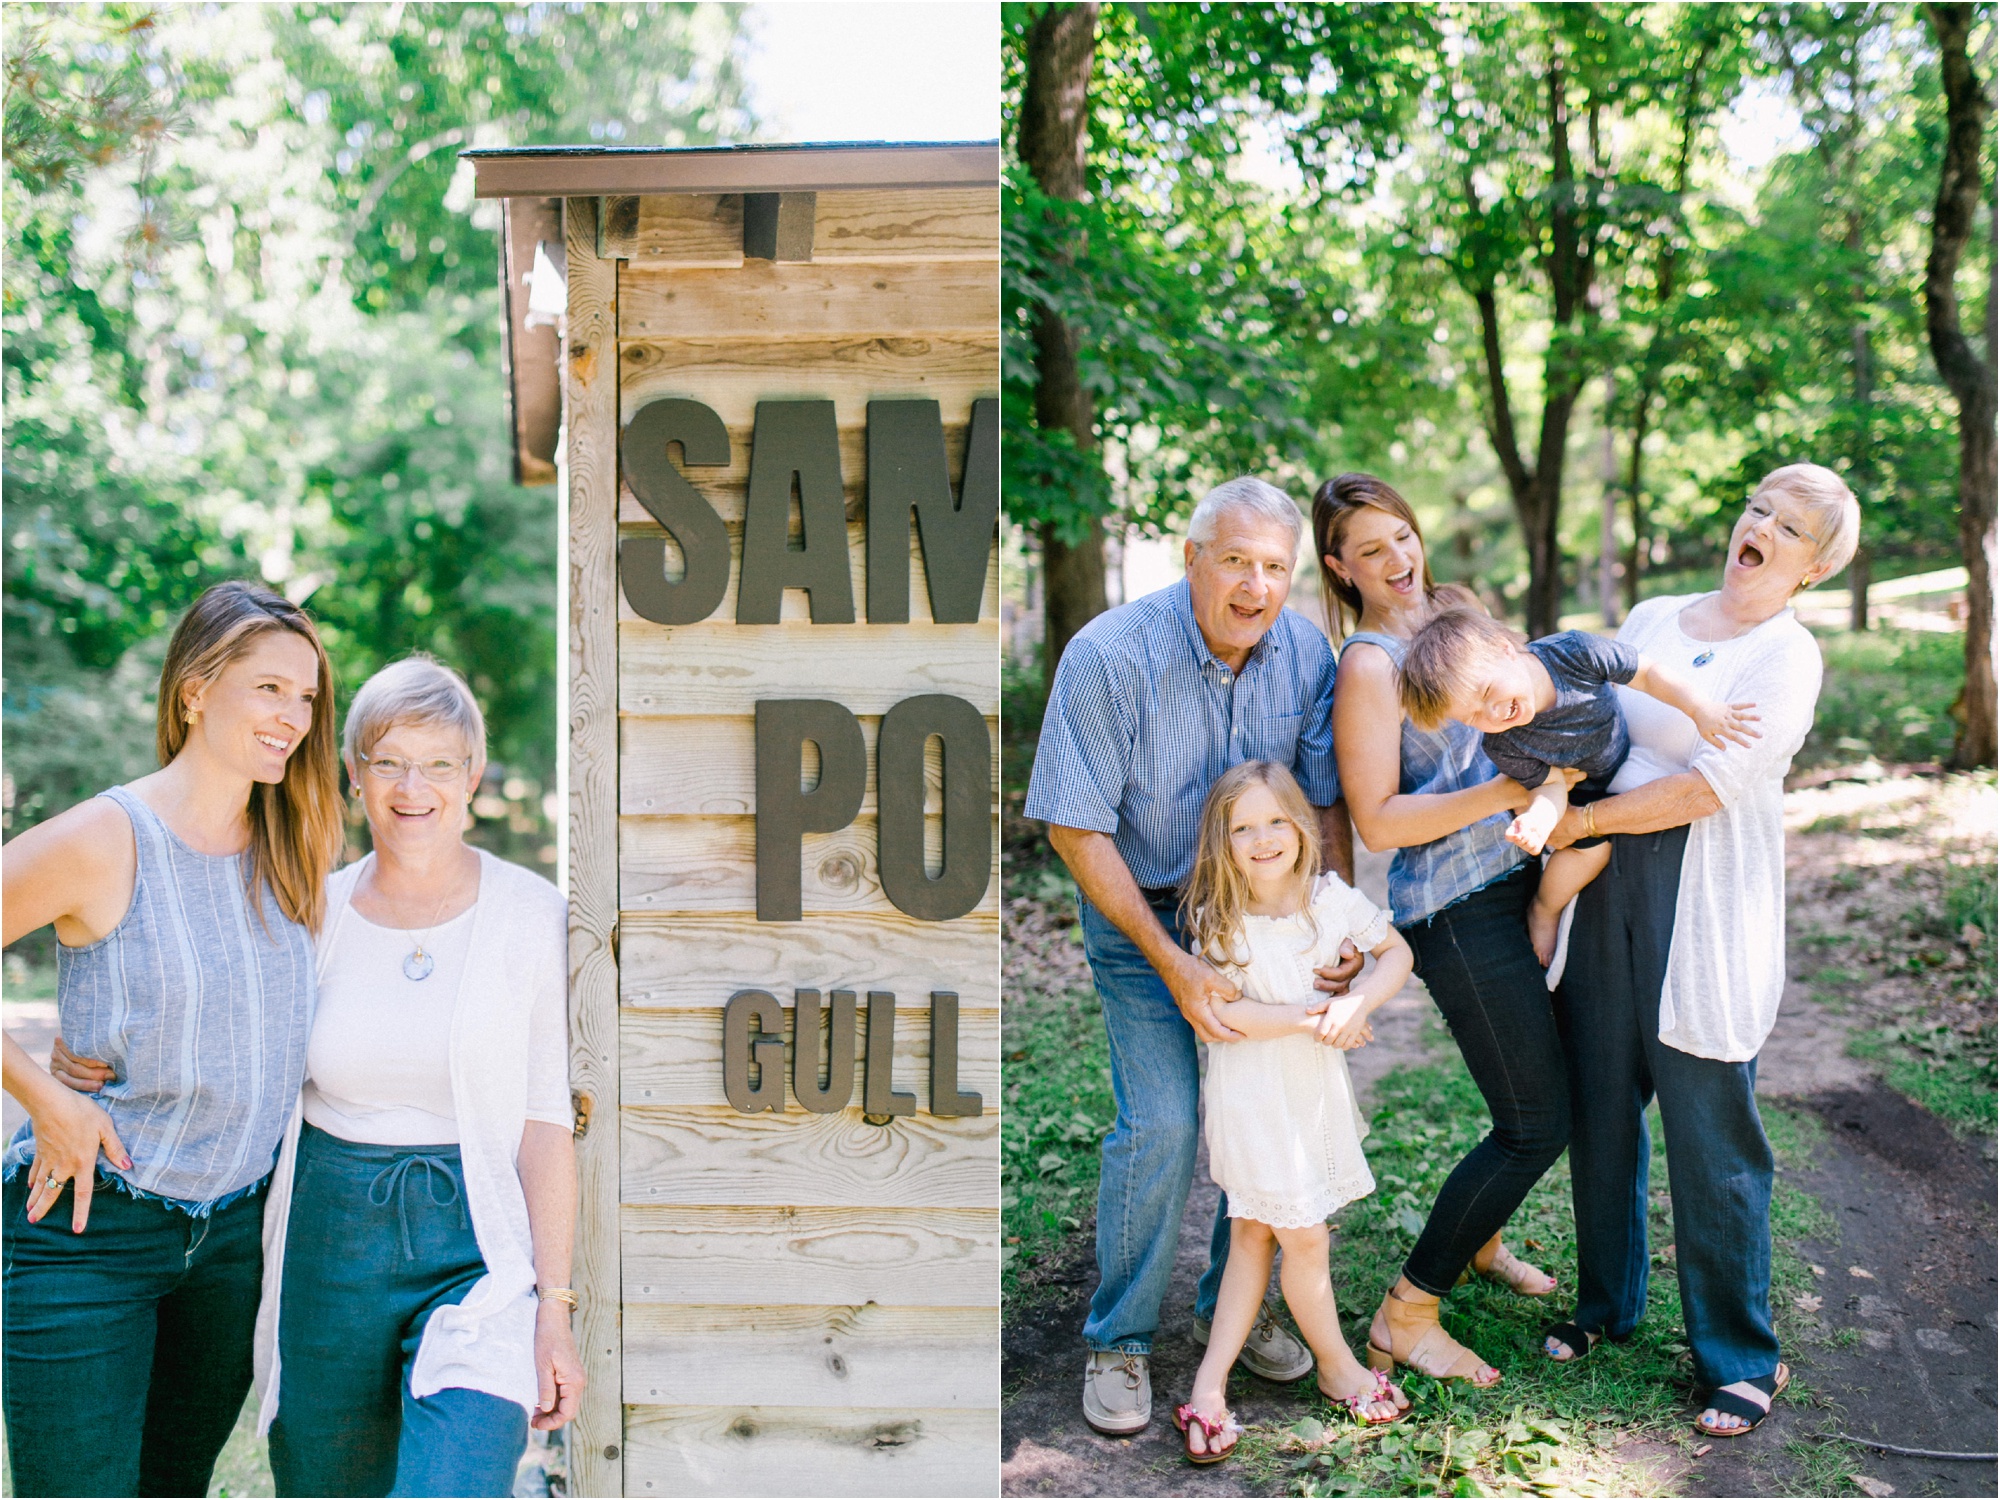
x=1709, y=655
x=418, y=965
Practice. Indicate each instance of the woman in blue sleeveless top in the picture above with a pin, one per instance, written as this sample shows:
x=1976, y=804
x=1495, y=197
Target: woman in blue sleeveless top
x=184, y=905
x=1459, y=894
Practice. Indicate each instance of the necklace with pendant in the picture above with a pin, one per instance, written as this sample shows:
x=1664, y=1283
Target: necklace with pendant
x=1709, y=655
x=418, y=965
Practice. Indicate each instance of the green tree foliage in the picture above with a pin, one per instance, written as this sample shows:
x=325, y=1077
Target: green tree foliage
x=253, y=330
x=1456, y=243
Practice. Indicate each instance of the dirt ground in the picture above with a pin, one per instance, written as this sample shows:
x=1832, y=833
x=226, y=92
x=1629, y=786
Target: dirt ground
x=1910, y=1352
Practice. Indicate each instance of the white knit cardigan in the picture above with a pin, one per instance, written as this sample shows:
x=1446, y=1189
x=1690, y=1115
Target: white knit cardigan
x=519, y=949
x=1726, y=968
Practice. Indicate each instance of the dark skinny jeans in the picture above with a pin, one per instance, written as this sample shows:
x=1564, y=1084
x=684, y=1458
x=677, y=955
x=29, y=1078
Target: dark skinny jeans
x=1475, y=958
x=128, y=1347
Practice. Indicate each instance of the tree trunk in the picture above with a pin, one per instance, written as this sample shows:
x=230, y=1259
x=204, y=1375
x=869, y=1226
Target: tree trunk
x=1635, y=560
x=1860, y=573
x=1970, y=377
x=1607, y=519
x=1569, y=265
x=1055, y=121
x=1073, y=589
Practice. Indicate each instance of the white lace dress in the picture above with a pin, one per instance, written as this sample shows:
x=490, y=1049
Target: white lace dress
x=1284, y=1133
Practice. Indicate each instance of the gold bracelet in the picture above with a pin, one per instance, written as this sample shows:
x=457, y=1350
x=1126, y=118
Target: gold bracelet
x=557, y=1294
x=1590, y=820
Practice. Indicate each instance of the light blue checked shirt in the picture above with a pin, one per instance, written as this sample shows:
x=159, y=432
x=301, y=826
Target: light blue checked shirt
x=1143, y=718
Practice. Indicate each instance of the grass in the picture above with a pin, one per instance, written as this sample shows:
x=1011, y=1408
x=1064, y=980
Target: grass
x=1887, y=694
x=1545, y=1428
x=1947, y=1069
x=1058, y=1108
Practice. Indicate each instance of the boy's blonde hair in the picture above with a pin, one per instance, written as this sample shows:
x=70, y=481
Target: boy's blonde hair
x=1442, y=664
x=1217, y=893
x=1836, y=514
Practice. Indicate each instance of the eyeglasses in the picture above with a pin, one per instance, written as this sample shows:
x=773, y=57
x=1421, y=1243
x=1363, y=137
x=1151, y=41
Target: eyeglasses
x=437, y=772
x=1758, y=509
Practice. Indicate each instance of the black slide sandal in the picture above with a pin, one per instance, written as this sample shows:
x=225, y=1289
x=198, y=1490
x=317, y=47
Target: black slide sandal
x=1580, y=1341
x=1729, y=1404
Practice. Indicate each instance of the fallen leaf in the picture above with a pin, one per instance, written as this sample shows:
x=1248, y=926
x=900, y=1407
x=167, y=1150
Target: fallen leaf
x=1807, y=1304
x=1535, y=1245
x=1871, y=1486
x=1817, y=1270
x=1857, y=1271
x=1703, y=1449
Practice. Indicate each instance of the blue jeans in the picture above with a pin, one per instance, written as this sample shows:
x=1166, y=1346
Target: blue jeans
x=1475, y=958
x=128, y=1347
x=1148, y=1162
x=1719, y=1158
x=379, y=1238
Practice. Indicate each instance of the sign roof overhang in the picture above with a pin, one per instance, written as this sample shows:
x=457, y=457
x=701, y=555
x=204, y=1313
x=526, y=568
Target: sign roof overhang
x=830, y=166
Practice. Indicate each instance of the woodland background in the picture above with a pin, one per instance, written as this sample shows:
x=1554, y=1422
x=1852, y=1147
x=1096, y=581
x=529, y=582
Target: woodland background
x=253, y=327
x=1571, y=276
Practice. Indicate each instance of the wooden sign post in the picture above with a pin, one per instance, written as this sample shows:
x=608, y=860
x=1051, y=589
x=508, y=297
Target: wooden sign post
x=779, y=374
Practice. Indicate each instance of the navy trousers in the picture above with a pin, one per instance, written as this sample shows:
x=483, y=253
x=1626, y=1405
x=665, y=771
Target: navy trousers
x=1718, y=1159
x=379, y=1239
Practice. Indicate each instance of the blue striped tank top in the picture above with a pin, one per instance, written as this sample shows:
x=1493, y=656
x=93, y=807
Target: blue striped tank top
x=1429, y=877
x=203, y=1012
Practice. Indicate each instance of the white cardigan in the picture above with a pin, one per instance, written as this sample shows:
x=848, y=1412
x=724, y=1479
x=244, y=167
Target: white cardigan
x=519, y=949
x=1726, y=969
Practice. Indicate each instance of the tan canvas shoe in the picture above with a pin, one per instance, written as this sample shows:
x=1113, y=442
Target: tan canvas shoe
x=1117, y=1392
x=1269, y=1351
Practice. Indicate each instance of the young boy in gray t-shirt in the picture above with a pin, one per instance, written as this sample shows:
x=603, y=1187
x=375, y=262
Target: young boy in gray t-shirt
x=1545, y=706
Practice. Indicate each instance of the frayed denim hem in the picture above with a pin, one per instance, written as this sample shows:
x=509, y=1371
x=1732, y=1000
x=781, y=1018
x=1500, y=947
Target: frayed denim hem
x=1403, y=925
x=112, y=1182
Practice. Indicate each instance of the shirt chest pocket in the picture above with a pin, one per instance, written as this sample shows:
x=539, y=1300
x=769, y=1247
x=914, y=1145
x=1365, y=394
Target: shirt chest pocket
x=1270, y=737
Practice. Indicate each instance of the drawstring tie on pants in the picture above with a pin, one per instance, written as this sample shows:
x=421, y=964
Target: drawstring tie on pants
x=394, y=1180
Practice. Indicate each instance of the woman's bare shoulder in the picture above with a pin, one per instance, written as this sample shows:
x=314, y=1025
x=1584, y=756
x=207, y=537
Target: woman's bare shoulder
x=1365, y=662
x=95, y=834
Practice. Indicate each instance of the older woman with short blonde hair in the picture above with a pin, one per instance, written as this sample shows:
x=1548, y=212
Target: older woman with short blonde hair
x=1676, y=957
x=415, y=1319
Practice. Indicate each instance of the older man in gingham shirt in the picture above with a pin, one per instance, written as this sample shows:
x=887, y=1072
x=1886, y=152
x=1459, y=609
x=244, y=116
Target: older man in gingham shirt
x=1151, y=703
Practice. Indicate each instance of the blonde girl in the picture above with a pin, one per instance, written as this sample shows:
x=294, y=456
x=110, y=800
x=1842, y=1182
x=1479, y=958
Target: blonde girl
x=1283, y=1131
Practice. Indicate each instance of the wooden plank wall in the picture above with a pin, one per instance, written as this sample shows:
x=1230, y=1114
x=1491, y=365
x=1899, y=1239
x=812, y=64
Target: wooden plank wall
x=810, y=1302
x=596, y=1439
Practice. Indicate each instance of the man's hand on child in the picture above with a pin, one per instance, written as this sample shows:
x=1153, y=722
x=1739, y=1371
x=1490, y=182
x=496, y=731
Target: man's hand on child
x=1334, y=978
x=1722, y=723
x=1196, y=987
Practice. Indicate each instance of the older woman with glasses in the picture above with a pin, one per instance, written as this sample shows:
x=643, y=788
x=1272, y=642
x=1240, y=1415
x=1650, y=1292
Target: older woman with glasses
x=417, y=1248
x=1677, y=958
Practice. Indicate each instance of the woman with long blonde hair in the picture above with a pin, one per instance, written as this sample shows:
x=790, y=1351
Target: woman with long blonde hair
x=184, y=906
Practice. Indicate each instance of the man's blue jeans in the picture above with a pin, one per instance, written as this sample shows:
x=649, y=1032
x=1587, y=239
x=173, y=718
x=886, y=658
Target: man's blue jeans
x=1717, y=1153
x=1149, y=1156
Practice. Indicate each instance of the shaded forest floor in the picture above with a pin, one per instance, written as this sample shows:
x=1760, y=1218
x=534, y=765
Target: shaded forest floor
x=1878, y=1087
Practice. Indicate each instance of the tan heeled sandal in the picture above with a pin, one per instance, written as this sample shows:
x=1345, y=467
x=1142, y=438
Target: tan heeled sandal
x=1510, y=1271
x=1429, y=1351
